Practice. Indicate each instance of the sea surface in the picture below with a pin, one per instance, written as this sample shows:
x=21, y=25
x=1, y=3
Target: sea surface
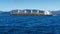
x=29, y=24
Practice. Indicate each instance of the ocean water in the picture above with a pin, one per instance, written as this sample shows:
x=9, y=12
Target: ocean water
x=29, y=24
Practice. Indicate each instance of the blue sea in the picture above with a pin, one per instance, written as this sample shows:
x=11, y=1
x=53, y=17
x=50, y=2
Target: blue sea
x=29, y=24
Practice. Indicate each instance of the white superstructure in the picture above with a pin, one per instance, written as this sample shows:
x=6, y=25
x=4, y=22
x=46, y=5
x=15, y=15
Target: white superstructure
x=25, y=11
x=18, y=11
x=47, y=13
x=31, y=11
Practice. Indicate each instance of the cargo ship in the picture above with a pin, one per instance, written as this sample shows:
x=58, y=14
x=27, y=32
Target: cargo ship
x=30, y=13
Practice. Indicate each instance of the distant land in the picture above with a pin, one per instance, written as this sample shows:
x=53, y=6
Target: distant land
x=7, y=13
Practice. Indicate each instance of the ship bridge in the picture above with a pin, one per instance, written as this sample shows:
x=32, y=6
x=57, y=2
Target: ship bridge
x=47, y=13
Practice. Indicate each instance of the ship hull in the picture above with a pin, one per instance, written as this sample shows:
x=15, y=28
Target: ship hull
x=29, y=15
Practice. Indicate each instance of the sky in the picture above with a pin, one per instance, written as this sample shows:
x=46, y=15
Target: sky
x=7, y=5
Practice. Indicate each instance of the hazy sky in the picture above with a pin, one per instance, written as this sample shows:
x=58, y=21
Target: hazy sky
x=6, y=5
